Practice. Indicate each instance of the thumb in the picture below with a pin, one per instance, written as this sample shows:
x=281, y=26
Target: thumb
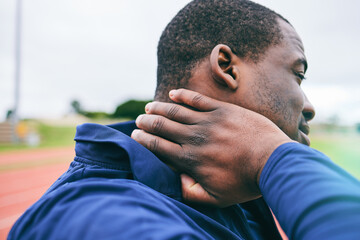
x=192, y=191
x=194, y=99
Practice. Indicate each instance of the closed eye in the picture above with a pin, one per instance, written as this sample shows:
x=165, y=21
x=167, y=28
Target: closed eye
x=300, y=75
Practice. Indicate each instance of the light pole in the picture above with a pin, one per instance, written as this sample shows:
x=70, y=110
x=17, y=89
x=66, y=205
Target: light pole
x=15, y=117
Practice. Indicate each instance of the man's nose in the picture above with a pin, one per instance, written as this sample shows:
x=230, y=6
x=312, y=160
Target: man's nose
x=308, y=110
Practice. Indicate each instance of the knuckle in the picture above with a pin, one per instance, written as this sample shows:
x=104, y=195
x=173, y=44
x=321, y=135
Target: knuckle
x=219, y=115
x=197, y=99
x=189, y=160
x=153, y=144
x=157, y=125
x=173, y=110
x=197, y=139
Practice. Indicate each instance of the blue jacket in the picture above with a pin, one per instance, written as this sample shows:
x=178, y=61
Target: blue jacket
x=117, y=189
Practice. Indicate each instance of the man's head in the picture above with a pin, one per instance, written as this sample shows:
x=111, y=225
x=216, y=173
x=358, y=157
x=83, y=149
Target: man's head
x=239, y=52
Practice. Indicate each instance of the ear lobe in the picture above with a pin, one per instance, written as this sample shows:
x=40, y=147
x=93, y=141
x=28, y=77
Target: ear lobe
x=223, y=68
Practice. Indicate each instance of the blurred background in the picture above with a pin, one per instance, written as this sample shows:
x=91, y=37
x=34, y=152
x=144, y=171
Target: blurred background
x=66, y=62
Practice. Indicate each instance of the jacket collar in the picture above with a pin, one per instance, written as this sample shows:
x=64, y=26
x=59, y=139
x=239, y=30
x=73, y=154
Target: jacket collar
x=112, y=145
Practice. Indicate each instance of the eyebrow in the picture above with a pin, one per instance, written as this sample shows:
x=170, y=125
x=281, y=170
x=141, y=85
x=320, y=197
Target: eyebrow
x=301, y=61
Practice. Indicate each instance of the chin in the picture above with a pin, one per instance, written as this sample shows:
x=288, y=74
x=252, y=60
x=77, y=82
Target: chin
x=300, y=137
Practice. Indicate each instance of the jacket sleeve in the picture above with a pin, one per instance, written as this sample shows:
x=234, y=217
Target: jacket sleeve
x=311, y=196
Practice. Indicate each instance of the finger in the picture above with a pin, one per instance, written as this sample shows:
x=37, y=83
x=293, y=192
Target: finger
x=164, y=127
x=194, y=99
x=173, y=111
x=167, y=151
x=192, y=191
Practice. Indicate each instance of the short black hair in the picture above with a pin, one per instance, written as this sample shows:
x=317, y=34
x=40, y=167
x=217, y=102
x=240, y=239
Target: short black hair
x=246, y=27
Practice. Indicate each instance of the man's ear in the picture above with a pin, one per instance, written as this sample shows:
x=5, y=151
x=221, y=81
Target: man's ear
x=223, y=67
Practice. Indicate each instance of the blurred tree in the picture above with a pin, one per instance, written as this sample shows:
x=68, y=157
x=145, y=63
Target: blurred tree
x=9, y=114
x=96, y=115
x=76, y=106
x=130, y=109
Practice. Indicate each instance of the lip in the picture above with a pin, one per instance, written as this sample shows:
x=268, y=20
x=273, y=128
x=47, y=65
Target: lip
x=304, y=138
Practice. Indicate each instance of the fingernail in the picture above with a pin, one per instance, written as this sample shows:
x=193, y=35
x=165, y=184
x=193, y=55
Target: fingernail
x=138, y=119
x=147, y=107
x=172, y=93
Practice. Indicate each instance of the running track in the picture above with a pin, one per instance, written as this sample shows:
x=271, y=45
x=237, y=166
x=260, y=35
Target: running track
x=24, y=176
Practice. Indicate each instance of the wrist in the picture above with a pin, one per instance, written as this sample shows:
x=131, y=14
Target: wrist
x=266, y=152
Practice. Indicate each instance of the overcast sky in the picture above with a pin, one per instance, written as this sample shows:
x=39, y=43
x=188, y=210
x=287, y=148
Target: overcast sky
x=103, y=52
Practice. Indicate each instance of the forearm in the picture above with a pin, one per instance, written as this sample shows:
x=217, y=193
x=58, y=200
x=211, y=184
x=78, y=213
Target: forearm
x=311, y=196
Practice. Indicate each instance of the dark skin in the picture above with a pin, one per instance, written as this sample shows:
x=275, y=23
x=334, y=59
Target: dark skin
x=194, y=146
x=225, y=146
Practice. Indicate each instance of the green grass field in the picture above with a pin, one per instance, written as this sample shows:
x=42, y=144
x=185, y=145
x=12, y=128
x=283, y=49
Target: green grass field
x=342, y=148
x=50, y=136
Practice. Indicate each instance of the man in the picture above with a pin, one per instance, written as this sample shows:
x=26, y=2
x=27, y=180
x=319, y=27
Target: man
x=235, y=51
x=311, y=196
x=250, y=57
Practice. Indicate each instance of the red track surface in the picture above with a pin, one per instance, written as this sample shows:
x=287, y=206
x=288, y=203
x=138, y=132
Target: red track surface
x=24, y=177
